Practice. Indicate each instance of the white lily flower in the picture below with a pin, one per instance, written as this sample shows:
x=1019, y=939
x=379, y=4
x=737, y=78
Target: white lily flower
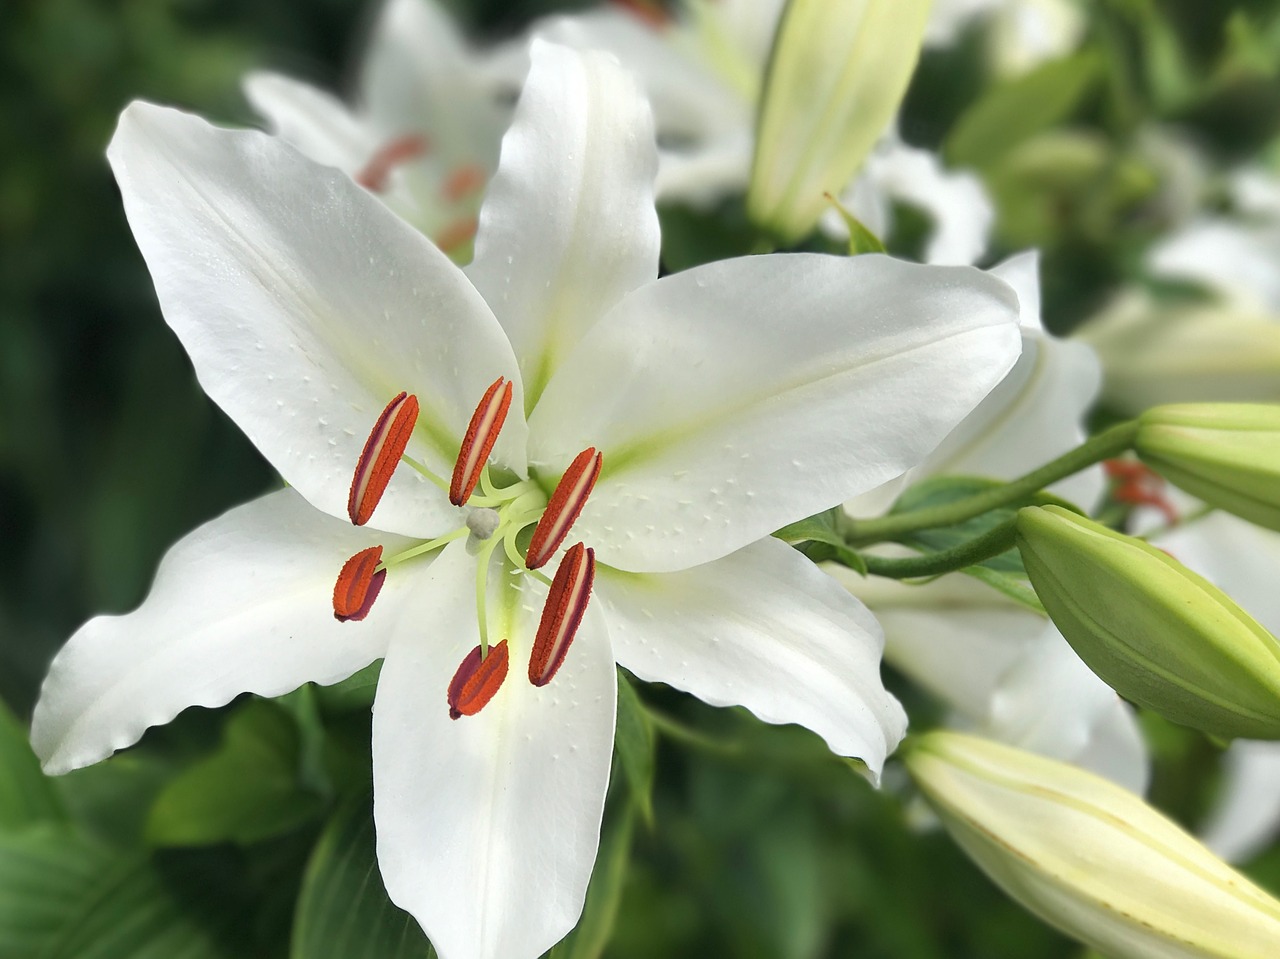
x=704, y=69
x=668, y=424
x=1003, y=669
x=1022, y=33
x=1242, y=560
x=423, y=131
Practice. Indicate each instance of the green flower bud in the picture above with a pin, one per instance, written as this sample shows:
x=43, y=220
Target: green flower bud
x=1153, y=630
x=1228, y=454
x=836, y=77
x=1090, y=858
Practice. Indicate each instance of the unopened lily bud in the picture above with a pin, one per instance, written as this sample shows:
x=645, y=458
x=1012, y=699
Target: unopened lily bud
x=1154, y=631
x=837, y=75
x=1228, y=454
x=1090, y=858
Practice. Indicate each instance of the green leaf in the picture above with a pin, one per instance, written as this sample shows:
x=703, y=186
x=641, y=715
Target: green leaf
x=589, y=939
x=1005, y=572
x=343, y=910
x=27, y=797
x=353, y=694
x=634, y=742
x=820, y=539
x=248, y=790
x=63, y=896
x=1015, y=111
x=861, y=240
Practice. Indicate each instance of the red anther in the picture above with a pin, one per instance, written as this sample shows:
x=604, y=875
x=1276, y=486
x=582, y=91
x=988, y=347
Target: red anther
x=562, y=614
x=358, y=585
x=387, y=157
x=462, y=182
x=381, y=456
x=650, y=11
x=457, y=233
x=1125, y=469
x=1135, y=493
x=476, y=680
x=566, y=503
x=482, y=433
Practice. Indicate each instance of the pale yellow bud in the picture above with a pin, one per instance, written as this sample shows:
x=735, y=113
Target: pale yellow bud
x=1090, y=858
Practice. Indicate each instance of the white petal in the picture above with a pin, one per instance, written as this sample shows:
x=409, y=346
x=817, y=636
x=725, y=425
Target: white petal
x=568, y=226
x=306, y=306
x=765, y=629
x=749, y=393
x=314, y=121
x=1241, y=262
x=1050, y=702
x=954, y=636
x=243, y=604
x=955, y=200
x=1034, y=415
x=1246, y=819
x=488, y=825
x=419, y=76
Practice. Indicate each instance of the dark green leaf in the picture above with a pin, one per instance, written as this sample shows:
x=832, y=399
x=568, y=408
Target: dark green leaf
x=634, y=742
x=248, y=790
x=343, y=911
x=819, y=538
x=353, y=694
x=63, y=896
x=27, y=797
x=1015, y=111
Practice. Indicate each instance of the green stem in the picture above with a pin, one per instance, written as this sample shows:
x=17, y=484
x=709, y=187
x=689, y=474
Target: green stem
x=991, y=543
x=1107, y=444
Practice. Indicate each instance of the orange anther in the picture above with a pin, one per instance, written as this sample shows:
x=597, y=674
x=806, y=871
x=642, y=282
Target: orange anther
x=562, y=614
x=650, y=11
x=477, y=680
x=462, y=182
x=482, y=433
x=381, y=456
x=358, y=585
x=566, y=503
x=387, y=157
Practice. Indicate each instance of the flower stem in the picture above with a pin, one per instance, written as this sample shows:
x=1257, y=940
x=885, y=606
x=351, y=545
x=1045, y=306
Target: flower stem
x=991, y=543
x=1109, y=443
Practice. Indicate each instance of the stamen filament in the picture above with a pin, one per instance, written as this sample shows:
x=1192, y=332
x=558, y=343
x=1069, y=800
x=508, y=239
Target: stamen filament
x=423, y=470
x=482, y=590
x=426, y=547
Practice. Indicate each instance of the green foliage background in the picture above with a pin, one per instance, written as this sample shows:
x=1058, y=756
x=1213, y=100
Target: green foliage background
x=723, y=837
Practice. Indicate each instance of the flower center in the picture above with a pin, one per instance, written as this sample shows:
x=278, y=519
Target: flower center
x=496, y=515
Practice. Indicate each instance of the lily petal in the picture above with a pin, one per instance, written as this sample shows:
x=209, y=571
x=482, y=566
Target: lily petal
x=315, y=122
x=1236, y=260
x=419, y=70
x=243, y=604
x=305, y=306
x=752, y=392
x=488, y=824
x=760, y=628
x=1247, y=818
x=569, y=224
